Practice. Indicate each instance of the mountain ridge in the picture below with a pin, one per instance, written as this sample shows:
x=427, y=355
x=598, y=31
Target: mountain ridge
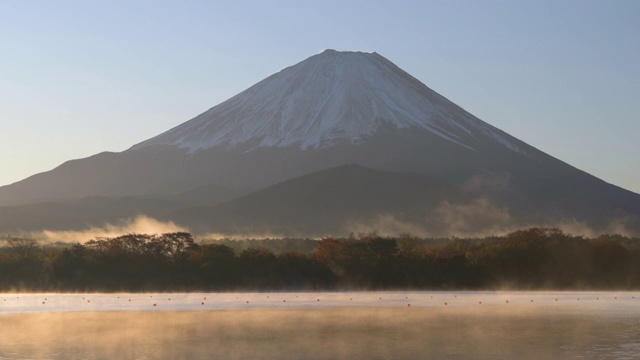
x=332, y=109
x=325, y=202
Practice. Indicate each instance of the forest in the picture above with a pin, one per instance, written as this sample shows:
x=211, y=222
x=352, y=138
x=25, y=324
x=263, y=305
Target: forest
x=530, y=259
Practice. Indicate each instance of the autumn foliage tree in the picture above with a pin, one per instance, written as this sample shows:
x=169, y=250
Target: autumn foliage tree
x=535, y=258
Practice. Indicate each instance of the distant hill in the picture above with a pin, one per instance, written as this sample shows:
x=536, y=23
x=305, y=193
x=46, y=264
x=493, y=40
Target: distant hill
x=325, y=202
x=78, y=214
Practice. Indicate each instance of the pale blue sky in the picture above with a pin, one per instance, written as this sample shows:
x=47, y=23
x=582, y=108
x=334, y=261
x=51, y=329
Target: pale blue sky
x=82, y=77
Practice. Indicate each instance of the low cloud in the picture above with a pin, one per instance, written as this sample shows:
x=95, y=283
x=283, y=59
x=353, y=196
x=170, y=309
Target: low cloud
x=479, y=218
x=140, y=225
x=242, y=236
x=386, y=225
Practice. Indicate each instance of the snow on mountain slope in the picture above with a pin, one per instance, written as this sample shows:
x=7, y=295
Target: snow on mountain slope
x=329, y=98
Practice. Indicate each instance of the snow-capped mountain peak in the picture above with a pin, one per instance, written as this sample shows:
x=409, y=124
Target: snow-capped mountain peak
x=331, y=97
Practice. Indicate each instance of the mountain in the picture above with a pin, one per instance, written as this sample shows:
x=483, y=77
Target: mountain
x=78, y=214
x=325, y=202
x=328, y=99
x=331, y=109
x=100, y=211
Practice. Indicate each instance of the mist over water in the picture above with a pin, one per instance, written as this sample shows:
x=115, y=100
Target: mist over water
x=360, y=325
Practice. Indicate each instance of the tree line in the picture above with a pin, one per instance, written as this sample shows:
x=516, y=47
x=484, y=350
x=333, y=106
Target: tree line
x=535, y=258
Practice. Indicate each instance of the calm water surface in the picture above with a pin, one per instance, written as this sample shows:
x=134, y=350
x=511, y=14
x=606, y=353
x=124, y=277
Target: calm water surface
x=360, y=325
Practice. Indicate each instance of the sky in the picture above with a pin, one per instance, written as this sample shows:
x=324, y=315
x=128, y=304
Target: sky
x=81, y=77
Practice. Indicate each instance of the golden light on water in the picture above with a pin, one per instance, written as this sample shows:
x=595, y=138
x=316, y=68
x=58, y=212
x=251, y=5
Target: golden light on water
x=340, y=326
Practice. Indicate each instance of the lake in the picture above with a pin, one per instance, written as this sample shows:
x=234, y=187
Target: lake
x=349, y=325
